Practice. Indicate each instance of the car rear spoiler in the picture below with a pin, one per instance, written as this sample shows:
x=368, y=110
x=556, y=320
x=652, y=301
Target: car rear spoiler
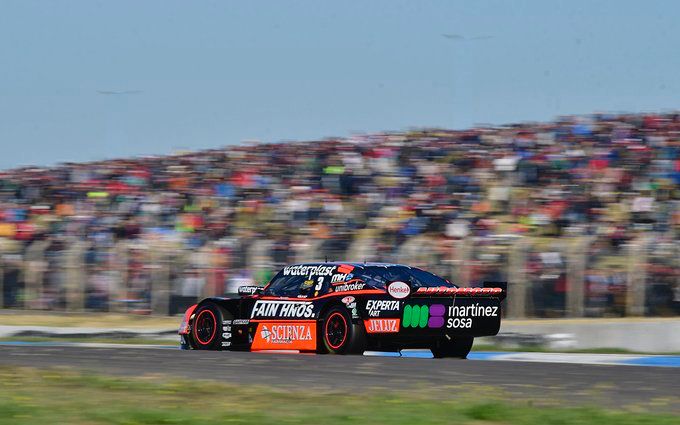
x=490, y=289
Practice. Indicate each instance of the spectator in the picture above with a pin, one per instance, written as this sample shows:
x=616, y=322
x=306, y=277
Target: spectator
x=612, y=177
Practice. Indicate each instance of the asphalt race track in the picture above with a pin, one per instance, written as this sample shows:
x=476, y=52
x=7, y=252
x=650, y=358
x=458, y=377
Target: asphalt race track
x=634, y=387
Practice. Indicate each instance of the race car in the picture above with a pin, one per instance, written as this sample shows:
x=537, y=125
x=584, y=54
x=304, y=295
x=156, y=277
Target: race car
x=345, y=308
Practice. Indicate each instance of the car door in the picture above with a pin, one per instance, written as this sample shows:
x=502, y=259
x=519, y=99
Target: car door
x=285, y=318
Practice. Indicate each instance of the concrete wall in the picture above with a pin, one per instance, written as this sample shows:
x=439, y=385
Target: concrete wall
x=658, y=335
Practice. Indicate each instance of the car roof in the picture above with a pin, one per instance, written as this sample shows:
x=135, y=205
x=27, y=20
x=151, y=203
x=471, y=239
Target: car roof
x=351, y=263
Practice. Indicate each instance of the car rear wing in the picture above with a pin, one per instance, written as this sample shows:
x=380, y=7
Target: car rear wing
x=490, y=289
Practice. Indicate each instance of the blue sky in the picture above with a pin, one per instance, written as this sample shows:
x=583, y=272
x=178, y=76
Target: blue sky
x=216, y=73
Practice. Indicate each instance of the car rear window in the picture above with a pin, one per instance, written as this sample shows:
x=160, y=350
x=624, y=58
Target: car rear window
x=379, y=276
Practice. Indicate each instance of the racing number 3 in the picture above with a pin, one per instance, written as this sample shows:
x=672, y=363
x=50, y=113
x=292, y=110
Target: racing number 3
x=319, y=283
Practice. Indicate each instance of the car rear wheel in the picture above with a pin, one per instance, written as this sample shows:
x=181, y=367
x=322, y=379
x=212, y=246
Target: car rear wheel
x=207, y=327
x=459, y=346
x=339, y=335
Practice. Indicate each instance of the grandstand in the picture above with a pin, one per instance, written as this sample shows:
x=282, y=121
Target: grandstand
x=581, y=215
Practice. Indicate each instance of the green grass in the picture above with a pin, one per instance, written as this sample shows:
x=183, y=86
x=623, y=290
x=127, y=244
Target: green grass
x=132, y=340
x=90, y=320
x=33, y=396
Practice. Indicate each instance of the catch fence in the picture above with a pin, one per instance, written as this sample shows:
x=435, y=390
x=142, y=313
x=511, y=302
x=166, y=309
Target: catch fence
x=583, y=276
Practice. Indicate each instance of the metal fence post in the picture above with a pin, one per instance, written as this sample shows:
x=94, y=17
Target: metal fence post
x=20, y=300
x=362, y=248
x=517, y=280
x=636, y=277
x=35, y=265
x=118, y=264
x=75, y=276
x=28, y=270
x=2, y=280
x=577, y=252
x=459, y=258
x=160, y=282
x=466, y=250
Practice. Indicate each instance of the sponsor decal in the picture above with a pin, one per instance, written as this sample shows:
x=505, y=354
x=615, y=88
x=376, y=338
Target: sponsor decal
x=338, y=278
x=398, y=290
x=420, y=316
x=226, y=328
x=293, y=309
x=350, y=287
x=375, y=326
x=248, y=290
x=240, y=321
x=285, y=335
x=226, y=335
x=344, y=273
x=348, y=300
x=226, y=322
x=355, y=313
x=375, y=307
x=341, y=277
x=460, y=316
x=226, y=343
x=309, y=271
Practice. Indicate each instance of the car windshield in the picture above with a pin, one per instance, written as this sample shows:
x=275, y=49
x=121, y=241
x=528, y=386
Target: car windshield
x=287, y=286
x=379, y=276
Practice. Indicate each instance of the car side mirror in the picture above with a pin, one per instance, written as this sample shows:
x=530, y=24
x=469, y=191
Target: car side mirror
x=250, y=290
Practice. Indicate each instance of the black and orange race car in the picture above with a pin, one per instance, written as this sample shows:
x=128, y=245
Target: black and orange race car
x=343, y=308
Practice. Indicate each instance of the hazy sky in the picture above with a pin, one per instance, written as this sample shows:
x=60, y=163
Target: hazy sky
x=205, y=74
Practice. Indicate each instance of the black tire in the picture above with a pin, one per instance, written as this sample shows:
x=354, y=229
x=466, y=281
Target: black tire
x=459, y=347
x=339, y=335
x=206, y=327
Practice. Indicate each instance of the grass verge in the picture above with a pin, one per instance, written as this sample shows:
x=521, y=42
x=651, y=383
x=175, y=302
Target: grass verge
x=134, y=340
x=93, y=320
x=29, y=396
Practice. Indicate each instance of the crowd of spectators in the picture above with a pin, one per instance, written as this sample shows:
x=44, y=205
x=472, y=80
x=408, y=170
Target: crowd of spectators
x=614, y=178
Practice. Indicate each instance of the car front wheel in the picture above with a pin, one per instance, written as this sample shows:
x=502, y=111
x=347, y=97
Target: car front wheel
x=207, y=327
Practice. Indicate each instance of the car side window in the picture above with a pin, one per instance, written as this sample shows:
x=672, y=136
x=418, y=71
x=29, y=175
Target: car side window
x=285, y=286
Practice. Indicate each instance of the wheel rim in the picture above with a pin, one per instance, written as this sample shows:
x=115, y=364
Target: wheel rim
x=336, y=330
x=205, y=327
